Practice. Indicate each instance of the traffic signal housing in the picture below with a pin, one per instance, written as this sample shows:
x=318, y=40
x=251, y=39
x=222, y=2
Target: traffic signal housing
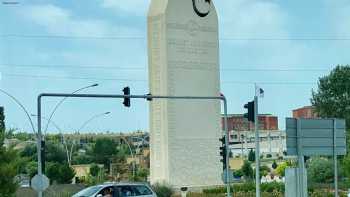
x=251, y=112
x=126, y=102
x=43, y=155
x=223, y=152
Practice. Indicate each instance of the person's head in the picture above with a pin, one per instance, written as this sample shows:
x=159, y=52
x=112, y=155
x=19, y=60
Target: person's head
x=107, y=191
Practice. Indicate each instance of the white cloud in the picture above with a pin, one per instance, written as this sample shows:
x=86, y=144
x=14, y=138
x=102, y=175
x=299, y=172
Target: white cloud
x=59, y=21
x=135, y=7
x=251, y=18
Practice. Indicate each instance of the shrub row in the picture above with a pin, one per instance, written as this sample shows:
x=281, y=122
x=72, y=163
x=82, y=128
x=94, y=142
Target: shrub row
x=248, y=187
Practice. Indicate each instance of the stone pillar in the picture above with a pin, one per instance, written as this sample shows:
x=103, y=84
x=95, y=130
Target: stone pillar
x=183, y=49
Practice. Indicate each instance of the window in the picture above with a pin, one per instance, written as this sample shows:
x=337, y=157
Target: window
x=126, y=191
x=142, y=190
x=134, y=190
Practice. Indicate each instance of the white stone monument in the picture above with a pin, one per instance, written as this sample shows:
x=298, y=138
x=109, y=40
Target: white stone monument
x=184, y=61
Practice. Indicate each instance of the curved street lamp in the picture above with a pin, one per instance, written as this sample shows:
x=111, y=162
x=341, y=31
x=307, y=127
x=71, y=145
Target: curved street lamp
x=91, y=119
x=132, y=155
x=22, y=107
x=61, y=101
x=82, y=126
x=60, y=130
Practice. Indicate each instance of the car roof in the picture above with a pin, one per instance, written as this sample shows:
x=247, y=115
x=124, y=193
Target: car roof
x=122, y=184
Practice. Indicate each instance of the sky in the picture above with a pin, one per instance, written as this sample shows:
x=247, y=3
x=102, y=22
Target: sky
x=61, y=46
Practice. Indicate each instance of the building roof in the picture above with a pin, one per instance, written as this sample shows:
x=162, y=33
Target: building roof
x=240, y=115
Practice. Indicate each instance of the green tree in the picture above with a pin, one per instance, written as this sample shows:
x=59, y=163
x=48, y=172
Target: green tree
x=31, y=168
x=120, y=169
x=247, y=170
x=9, y=163
x=2, y=125
x=320, y=170
x=60, y=173
x=332, y=99
x=55, y=153
x=103, y=151
x=79, y=159
x=53, y=172
x=345, y=167
x=67, y=174
x=280, y=170
x=141, y=175
x=8, y=171
x=251, y=156
x=94, y=170
x=29, y=152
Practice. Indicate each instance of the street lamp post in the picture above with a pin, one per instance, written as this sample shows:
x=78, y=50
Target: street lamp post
x=81, y=127
x=132, y=155
x=62, y=100
x=22, y=107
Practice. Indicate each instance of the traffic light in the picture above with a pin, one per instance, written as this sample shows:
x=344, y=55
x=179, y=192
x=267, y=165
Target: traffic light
x=126, y=102
x=223, y=152
x=251, y=113
x=43, y=155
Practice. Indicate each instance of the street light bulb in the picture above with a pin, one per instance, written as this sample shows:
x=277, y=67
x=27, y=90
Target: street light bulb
x=107, y=112
x=94, y=85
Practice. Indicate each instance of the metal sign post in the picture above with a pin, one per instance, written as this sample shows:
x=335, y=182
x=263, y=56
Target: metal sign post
x=335, y=157
x=301, y=162
x=148, y=97
x=257, y=147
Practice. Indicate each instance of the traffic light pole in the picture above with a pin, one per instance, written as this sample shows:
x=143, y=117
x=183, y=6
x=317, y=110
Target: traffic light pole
x=148, y=97
x=257, y=147
x=39, y=144
x=227, y=171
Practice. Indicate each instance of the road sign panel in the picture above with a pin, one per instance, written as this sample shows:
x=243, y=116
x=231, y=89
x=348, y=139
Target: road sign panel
x=316, y=136
x=40, y=183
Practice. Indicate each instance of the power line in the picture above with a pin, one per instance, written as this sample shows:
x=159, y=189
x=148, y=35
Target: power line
x=72, y=37
x=71, y=66
x=69, y=77
x=25, y=36
x=242, y=68
x=144, y=81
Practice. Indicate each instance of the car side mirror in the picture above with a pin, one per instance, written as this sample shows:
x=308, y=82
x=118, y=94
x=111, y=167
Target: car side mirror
x=99, y=195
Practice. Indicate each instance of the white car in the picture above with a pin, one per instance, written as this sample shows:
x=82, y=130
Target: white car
x=117, y=190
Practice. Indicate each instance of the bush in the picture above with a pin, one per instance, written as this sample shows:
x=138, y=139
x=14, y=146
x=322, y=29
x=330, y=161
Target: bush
x=94, y=170
x=320, y=170
x=163, y=190
x=247, y=170
x=268, y=156
x=264, y=170
x=238, y=173
x=273, y=186
x=280, y=170
x=245, y=188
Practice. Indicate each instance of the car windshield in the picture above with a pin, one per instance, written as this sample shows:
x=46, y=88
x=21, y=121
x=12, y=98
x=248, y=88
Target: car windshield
x=88, y=191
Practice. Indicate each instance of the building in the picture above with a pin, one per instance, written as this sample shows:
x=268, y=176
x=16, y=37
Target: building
x=305, y=112
x=272, y=142
x=237, y=122
x=242, y=135
x=82, y=172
